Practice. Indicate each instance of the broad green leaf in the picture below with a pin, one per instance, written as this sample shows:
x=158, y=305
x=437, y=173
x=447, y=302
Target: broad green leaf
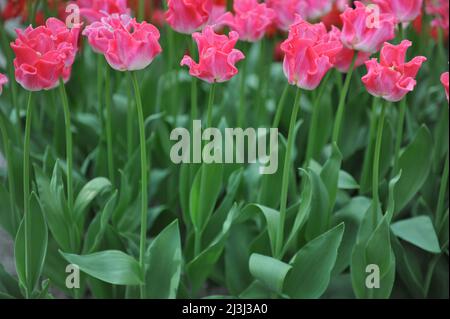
x=312, y=265
x=112, y=266
x=418, y=231
x=9, y=284
x=391, y=199
x=330, y=174
x=87, y=194
x=256, y=290
x=270, y=271
x=163, y=264
x=415, y=163
x=319, y=216
x=272, y=218
x=346, y=181
x=37, y=240
x=8, y=220
x=303, y=212
x=204, y=194
x=201, y=266
x=97, y=227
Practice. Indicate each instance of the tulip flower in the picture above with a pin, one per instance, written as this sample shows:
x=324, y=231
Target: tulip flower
x=309, y=52
x=44, y=54
x=251, y=19
x=126, y=44
x=187, y=16
x=3, y=81
x=392, y=78
x=217, y=56
x=365, y=29
x=444, y=81
x=402, y=10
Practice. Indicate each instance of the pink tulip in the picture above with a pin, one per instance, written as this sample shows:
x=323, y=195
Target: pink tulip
x=392, y=78
x=187, y=16
x=217, y=56
x=94, y=10
x=4, y=80
x=439, y=9
x=309, y=52
x=44, y=54
x=365, y=29
x=344, y=58
x=126, y=44
x=444, y=81
x=251, y=19
x=286, y=10
x=402, y=10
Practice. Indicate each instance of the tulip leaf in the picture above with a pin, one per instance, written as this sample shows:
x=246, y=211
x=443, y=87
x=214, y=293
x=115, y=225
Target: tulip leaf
x=269, y=271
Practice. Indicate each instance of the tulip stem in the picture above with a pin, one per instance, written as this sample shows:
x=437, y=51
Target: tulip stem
x=399, y=136
x=280, y=106
x=210, y=104
x=69, y=156
x=141, y=10
x=26, y=194
x=376, y=165
x=285, y=178
x=241, y=111
x=9, y=167
x=310, y=148
x=144, y=187
x=441, y=198
x=340, y=109
x=109, y=142
x=194, y=99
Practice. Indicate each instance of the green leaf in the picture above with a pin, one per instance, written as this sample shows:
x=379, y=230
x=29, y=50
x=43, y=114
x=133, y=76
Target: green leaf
x=330, y=174
x=204, y=194
x=415, y=163
x=87, y=194
x=318, y=217
x=9, y=284
x=163, y=264
x=270, y=271
x=37, y=241
x=201, y=266
x=346, y=181
x=111, y=266
x=8, y=220
x=272, y=220
x=98, y=225
x=418, y=231
x=312, y=265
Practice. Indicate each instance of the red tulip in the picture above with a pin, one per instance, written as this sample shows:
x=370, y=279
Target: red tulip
x=309, y=53
x=4, y=80
x=365, y=29
x=44, y=54
x=251, y=19
x=94, y=10
x=217, y=56
x=392, y=78
x=444, y=81
x=402, y=10
x=187, y=16
x=126, y=44
x=440, y=10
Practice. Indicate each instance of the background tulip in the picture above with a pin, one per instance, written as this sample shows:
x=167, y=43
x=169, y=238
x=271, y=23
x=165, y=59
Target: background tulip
x=187, y=16
x=217, y=56
x=444, y=81
x=94, y=10
x=402, y=10
x=3, y=81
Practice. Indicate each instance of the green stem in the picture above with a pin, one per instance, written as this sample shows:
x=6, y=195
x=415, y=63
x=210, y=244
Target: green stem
x=69, y=155
x=9, y=166
x=242, y=108
x=210, y=104
x=144, y=186
x=340, y=109
x=286, y=170
x=442, y=193
x=399, y=135
x=280, y=106
x=315, y=121
x=130, y=135
x=194, y=102
x=376, y=165
x=109, y=141
x=141, y=13
x=26, y=194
